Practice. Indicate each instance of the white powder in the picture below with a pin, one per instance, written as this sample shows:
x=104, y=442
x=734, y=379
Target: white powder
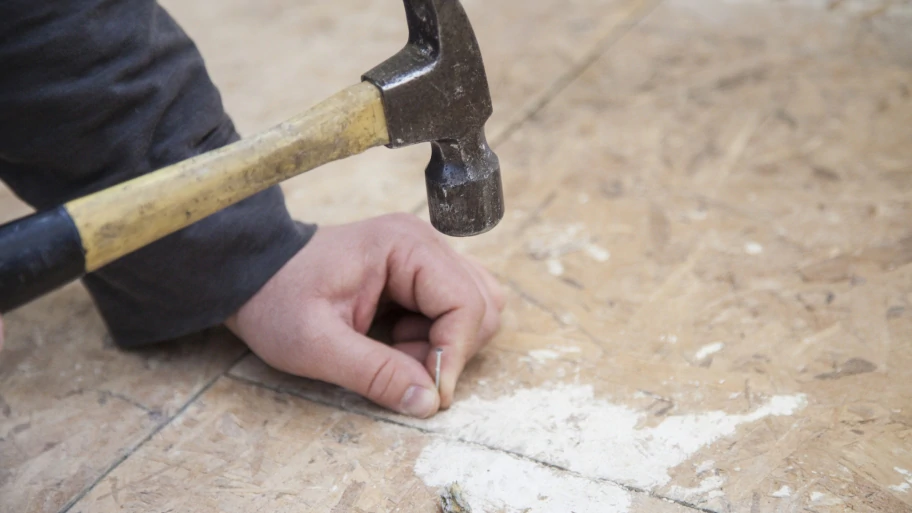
x=825, y=499
x=752, y=248
x=709, y=488
x=706, y=466
x=566, y=426
x=598, y=253
x=544, y=355
x=709, y=349
x=785, y=491
x=494, y=481
x=901, y=488
x=555, y=267
x=555, y=240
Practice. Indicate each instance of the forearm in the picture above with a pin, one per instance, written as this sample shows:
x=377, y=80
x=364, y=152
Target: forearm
x=96, y=92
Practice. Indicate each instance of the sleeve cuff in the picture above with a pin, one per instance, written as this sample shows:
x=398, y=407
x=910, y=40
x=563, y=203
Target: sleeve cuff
x=196, y=278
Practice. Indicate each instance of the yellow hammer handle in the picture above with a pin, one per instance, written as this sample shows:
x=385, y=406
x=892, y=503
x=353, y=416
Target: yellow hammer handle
x=119, y=220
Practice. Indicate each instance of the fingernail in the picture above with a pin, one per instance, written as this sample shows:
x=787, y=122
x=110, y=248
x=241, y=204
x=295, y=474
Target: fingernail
x=418, y=402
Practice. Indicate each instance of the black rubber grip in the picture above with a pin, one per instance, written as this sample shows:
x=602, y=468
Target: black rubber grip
x=38, y=254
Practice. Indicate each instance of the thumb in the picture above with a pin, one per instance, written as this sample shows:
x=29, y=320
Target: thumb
x=386, y=376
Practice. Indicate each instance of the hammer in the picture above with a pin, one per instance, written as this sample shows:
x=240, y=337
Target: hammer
x=434, y=90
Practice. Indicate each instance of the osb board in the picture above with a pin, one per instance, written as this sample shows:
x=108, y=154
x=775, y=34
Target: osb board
x=724, y=174
x=72, y=405
x=714, y=218
x=244, y=448
x=270, y=60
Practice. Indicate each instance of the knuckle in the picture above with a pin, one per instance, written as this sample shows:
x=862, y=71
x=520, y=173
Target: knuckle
x=499, y=296
x=491, y=325
x=477, y=305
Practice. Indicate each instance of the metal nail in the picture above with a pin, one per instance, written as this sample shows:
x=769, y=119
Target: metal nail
x=439, y=352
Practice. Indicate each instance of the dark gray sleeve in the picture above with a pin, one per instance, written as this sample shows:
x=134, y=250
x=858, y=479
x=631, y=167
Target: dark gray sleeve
x=95, y=92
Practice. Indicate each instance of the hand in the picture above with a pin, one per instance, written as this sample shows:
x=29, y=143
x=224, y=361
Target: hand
x=311, y=318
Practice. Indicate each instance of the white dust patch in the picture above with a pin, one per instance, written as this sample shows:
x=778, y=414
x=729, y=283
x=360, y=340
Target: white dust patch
x=555, y=267
x=544, y=355
x=671, y=339
x=554, y=241
x=901, y=488
x=494, y=481
x=905, y=486
x=752, y=248
x=709, y=349
x=824, y=499
x=785, y=491
x=709, y=488
x=706, y=466
x=598, y=253
x=567, y=426
x=550, y=241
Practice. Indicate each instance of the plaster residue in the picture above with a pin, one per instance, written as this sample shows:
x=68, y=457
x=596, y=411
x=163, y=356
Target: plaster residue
x=901, y=488
x=783, y=492
x=566, y=425
x=704, y=467
x=555, y=267
x=495, y=481
x=554, y=241
x=544, y=355
x=905, y=486
x=709, y=488
x=824, y=499
x=598, y=253
x=709, y=349
x=753, y=248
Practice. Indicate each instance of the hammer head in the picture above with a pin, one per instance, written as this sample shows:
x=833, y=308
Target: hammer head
x=436, y=90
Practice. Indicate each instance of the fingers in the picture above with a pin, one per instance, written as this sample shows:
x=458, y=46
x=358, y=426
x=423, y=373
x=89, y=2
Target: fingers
x=411, y=328
x=426, y=276
x=417, y=350
x=491, y=322
x=387, y=376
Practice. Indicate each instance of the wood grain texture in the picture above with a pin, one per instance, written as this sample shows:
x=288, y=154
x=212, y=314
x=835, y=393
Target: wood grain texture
x=126, y=217
x=244, y=448
x=72, y=404
x=711, y=217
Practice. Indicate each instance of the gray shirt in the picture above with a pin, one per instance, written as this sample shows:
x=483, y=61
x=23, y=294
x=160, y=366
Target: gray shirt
x=95, y=92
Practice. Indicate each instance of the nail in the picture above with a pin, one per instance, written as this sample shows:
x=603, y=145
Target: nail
x=439, y=352
x=418, y=402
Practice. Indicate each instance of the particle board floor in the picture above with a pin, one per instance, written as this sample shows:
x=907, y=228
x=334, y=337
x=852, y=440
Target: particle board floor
x=708, y=250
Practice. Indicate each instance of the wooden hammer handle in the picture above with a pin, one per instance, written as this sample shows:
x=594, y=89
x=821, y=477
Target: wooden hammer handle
x=121, y=219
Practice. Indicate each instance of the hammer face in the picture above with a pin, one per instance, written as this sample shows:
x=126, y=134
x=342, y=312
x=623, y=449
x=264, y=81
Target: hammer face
x=465, y=194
